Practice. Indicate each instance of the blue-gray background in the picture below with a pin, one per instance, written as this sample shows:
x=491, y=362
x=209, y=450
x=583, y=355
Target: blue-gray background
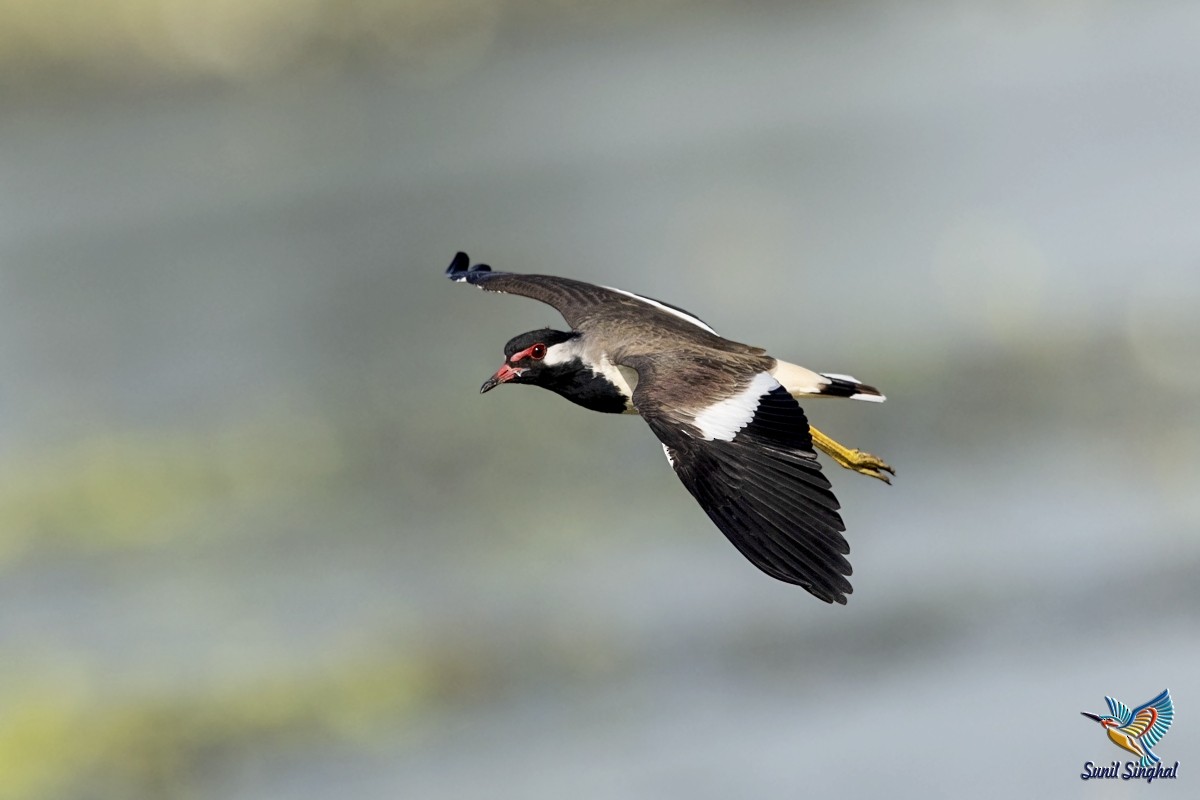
x=260, y=537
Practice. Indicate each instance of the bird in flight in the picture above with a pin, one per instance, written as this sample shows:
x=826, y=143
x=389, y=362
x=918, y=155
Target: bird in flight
x=726, y=414
x=1140, y=729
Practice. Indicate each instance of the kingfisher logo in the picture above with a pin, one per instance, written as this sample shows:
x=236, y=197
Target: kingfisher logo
x=1137, y=731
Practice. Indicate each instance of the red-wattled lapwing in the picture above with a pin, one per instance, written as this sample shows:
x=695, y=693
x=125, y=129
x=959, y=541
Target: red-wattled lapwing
x=725, y=412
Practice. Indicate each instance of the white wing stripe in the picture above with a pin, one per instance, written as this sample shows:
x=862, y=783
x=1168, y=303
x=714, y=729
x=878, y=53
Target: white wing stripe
x=672, y=311
x=722, y=420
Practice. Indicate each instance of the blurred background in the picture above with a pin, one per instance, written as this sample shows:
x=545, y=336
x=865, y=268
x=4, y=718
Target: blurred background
x=260, y=537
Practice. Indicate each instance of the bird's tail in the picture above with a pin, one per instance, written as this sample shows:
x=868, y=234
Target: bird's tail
x=802, y=382
x=849, y=386
x=1149, y=759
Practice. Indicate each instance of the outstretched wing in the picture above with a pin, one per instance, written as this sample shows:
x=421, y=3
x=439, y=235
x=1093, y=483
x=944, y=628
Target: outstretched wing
x=1152, y=720
x=1120, y=711
x=748, y=460
x=577, y=301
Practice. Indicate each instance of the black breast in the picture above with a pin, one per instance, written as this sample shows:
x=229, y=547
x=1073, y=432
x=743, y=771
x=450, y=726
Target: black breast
x=588, y=389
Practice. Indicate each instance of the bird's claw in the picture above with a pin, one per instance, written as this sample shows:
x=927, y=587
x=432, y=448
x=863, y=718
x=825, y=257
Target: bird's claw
x=866, y=464
x=848, y=457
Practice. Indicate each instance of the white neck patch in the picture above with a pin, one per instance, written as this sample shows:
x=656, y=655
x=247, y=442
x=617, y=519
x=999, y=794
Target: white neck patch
x=675, y=312
x=563, y=352
x=624, y=378
x=723, y=420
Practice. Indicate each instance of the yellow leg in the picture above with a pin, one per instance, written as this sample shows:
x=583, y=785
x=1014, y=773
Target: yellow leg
x=857, y=460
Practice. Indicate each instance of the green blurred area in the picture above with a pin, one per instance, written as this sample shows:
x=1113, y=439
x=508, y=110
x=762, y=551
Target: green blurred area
x=261, y=537
x=64, y=737
x=146, y=487
x=150, y=42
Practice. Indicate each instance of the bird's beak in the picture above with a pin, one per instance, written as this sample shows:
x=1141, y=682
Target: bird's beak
x=1091, y=716
x=503, y=375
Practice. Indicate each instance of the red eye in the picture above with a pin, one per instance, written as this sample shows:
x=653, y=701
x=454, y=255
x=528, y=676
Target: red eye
x=538, y=352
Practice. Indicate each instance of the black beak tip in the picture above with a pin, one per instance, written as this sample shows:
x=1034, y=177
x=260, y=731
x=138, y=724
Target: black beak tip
x=488, y=385
x=1095, y=717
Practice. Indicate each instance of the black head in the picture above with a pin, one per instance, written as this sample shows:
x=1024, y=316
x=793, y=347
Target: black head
x=525, y=358
x=551, y=359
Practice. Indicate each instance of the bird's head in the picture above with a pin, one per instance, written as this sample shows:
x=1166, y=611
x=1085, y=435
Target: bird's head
x=1104, y=720
x=554, y=360
x=542, y=358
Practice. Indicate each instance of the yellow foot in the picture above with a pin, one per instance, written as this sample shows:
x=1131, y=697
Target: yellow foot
x=857, y=460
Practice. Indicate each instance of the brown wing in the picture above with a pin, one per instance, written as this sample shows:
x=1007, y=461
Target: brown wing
x=747, y=459
x=581, y=304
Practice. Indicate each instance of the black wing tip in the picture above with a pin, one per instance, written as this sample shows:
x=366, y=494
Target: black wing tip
x=831, y=587
x=836, y=593
x=460, y=269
